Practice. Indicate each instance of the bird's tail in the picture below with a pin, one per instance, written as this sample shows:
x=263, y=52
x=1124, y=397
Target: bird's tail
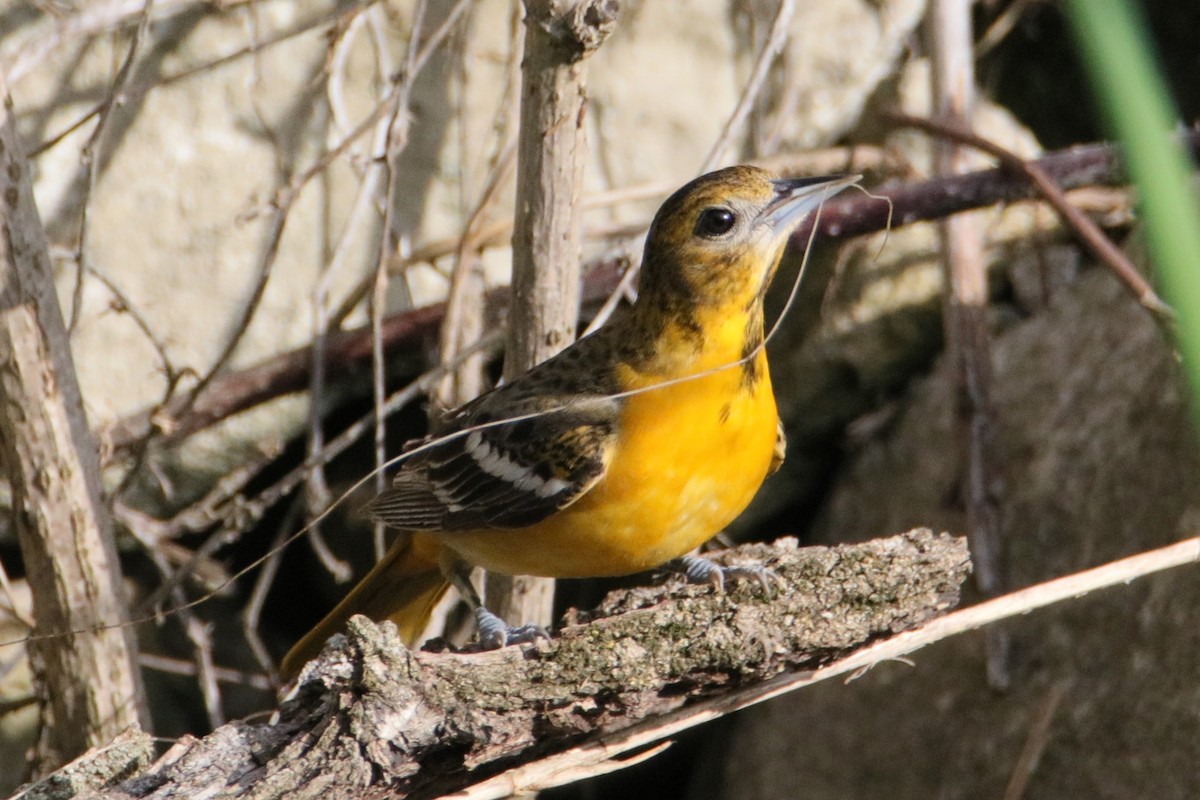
x=403, y=587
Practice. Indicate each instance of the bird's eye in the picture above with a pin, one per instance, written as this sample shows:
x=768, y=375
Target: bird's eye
x=714, y=222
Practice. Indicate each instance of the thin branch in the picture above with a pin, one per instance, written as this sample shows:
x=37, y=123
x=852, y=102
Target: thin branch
x=175, y=666
x=1087, y=231
x=1035, y=741
x=964, y=309
x=200, y=635
x=92, y=19
x=317, y=494
x=286, y=196
x=138, y=91
x=90, y=156
x=252, y=612
x=776, y=39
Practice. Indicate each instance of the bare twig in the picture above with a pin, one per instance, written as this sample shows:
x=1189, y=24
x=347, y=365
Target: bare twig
x=176, y=666
x=317, y=494
x=171, y=375
x=395, y=142
x=90, y=157
x=200, y=635
x=91, y=19
x=252, y=612
x=1001, y=26
x=465, y=304
x=776, y=39
x=965, y=293
x=138, y=91
x=559, y=37
x=286, y=196
x=1035, y=742
x=1087, y=231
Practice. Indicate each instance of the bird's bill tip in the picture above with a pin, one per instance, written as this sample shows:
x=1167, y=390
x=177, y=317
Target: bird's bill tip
x=796, y=198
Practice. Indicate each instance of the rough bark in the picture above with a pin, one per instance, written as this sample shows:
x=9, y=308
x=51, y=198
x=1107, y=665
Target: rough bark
x=372, y=719
x=551, y=140
x=88, y=681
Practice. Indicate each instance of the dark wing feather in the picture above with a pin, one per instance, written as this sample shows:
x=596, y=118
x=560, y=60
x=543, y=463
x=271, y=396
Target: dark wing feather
x=507, y=475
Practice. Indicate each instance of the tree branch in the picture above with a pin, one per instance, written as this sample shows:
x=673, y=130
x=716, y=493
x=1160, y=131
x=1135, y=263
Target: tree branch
x=559, y=37
x=371, y=718
x=88, y=681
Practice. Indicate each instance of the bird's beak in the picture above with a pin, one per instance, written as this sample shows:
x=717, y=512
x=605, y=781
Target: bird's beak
x=796, y=198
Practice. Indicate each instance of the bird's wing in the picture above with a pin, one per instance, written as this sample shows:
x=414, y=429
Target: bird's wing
x=506, y=475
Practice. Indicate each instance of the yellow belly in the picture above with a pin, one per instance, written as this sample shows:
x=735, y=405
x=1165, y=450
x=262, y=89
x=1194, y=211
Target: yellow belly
x=690, y=459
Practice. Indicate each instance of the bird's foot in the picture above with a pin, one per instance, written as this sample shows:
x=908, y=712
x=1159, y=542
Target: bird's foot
x=495, y=633
x=698, y=569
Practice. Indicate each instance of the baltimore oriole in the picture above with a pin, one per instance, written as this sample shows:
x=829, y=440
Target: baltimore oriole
x=631, y=447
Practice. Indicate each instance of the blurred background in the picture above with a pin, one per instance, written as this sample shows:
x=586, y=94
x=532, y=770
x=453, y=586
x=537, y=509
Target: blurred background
x=216, y=241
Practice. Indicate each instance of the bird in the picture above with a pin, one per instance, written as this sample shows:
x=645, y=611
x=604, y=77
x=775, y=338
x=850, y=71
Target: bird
x=625, y=451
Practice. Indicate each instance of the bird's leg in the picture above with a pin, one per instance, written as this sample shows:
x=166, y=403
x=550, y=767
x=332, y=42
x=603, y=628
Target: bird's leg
x=494, y=632
x=698, y=569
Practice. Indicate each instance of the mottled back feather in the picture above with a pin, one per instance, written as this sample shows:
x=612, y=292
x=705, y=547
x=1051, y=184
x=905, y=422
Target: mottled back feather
x=514, y=473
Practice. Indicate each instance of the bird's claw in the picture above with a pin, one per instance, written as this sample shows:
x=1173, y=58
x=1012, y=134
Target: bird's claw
x=495, y=633
x=698, y=569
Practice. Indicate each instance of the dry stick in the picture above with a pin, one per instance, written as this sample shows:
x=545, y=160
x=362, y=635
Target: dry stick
x=496, y=233
x=465, y=302
x=199, y=634
x=90, y=157
x=171, y=375
x=317, y=494
x=601, y=755
x=559, y=37
x=758, y=77
x=140, y=90
x=1035, y=742
x=282, y=203
x=1002, y=26
x=90, y=19
x=842, y=218
x=175, y=666
x=394, y=144
x=1089, y=232
x=251, y=615
x=965, y=293
x=89, y=683
x=196, y=631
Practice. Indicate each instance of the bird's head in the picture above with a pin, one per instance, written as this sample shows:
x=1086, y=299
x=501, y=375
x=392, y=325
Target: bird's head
x=716, y=242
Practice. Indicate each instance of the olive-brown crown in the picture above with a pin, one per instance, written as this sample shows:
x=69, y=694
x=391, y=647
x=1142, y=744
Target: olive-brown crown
x=712, y=242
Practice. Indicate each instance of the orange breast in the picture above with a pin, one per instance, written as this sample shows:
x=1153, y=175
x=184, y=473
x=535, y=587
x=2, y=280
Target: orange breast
x=689, y=460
